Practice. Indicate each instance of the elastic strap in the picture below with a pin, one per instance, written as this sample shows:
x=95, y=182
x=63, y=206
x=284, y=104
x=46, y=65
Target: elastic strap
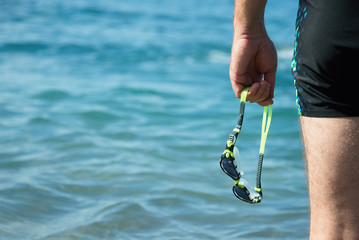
x=244, y=94
x=267, y=117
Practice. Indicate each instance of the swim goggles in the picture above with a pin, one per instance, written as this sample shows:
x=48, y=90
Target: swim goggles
x=241, y=188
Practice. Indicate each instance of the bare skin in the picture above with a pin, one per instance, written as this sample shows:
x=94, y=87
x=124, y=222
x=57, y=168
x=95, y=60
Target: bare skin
x=332, y=150
x=331, y=144
x=253, y=58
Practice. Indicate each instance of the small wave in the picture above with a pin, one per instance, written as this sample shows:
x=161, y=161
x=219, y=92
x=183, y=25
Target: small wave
x=43, y=120
x=129, y=217
x=29, y=47
x=98, y=116
x=76, y=49
x=285, y=53
x=217, y=56
x=164, y=90
x=52, y=95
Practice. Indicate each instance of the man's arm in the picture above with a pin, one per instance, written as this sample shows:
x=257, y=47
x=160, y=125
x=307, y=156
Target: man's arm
x=253, y=58
x=249, y=14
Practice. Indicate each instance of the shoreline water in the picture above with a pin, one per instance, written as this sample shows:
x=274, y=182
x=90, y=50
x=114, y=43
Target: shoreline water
x=114, y=116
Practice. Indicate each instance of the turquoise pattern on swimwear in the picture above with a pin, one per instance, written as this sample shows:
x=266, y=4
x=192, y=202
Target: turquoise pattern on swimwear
x=302, y=13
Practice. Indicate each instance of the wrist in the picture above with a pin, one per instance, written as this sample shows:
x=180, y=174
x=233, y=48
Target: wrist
x=254, y=30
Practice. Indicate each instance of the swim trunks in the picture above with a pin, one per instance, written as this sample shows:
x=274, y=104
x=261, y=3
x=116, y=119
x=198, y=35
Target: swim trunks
x=325, y=62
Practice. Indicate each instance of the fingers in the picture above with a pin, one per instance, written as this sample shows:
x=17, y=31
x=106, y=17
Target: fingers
x=266, y=102
x=260, y=92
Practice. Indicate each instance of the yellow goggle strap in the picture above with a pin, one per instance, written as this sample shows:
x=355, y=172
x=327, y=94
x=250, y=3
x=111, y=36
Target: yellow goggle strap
x=244, y=94
x=266, y=121
x=267, y=118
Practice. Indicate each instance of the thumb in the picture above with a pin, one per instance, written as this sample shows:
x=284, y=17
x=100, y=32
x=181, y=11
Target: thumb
x=237, y=88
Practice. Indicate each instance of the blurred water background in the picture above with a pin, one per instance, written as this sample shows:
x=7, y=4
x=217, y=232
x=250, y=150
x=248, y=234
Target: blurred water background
x=113, y=116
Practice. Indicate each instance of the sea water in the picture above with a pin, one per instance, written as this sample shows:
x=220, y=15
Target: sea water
x=114, y=114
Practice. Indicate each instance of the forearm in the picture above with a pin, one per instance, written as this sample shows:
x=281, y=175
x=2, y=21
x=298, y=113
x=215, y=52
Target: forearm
x=249, y=17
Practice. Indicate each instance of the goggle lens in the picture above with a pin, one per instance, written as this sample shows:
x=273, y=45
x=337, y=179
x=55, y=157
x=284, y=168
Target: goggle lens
x=229, y=167
x=241, y=193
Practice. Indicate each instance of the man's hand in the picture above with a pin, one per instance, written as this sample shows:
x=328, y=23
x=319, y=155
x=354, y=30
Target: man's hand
x=254, y=64
x=253, y=57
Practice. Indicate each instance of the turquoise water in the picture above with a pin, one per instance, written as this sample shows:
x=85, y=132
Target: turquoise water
x=113, y=116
